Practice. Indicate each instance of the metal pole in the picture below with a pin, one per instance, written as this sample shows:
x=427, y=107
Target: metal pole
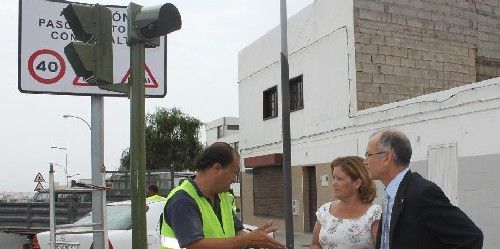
x=97, y=153
x=285, y=121
x=172, y=176
x=66, y=167
x=52, y=218
x=137, y=145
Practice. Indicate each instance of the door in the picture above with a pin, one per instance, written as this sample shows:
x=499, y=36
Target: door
x=311, y=195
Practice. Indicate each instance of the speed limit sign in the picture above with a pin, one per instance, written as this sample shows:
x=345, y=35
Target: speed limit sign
x=46, y=66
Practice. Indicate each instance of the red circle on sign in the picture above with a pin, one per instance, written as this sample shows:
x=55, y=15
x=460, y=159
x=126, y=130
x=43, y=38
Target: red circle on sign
x=44, y=80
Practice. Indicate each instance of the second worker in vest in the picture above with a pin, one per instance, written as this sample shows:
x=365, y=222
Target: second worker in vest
x=199, y=213
x=153, y=195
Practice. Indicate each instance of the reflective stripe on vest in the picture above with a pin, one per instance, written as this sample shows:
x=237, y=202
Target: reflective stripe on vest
x=156, y=198
x=211, y=226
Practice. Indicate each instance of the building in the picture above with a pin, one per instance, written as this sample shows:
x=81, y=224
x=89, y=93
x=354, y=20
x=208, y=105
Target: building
x=225, y=129
x=359, y=66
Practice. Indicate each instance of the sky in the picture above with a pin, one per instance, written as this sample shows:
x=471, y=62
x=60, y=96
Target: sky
x=201, y=81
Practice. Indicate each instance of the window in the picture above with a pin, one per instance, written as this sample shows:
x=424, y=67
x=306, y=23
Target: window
x=219, y=131
x=233, y=127
x=268, y=191
x=235, y=146
x=296, y=94
x=270, y=103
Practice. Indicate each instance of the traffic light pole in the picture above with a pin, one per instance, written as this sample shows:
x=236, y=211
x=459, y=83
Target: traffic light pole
x=137, y=145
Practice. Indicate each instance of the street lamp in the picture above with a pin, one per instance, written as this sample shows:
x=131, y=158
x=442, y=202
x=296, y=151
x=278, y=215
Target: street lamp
x=66, y=160
x=73, y=116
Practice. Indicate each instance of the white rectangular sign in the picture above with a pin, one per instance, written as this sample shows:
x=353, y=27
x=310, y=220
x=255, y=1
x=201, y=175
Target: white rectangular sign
x=43, y=67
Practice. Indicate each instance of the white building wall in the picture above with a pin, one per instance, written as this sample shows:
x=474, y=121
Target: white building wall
x=321, y=51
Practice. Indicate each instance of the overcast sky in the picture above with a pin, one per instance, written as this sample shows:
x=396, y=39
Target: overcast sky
x=202, y=82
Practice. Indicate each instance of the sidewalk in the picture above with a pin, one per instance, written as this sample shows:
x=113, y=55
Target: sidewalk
x=301, y=240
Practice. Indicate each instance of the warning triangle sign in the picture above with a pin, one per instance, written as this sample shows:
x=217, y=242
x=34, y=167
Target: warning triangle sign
x=78, y=81
x=149, y=81
x=38, y=186
x=39, y=178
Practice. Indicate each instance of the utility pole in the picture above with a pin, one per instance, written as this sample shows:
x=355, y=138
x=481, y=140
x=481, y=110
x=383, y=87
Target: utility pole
x=285, y=121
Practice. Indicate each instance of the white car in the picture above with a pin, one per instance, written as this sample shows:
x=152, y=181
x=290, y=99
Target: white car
x=119, y=229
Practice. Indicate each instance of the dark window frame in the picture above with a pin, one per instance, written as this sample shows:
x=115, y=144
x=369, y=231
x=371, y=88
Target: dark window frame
x=296, y=86
x=220, y=132
x=233, y=127
x=270, y=103
x=236, y=146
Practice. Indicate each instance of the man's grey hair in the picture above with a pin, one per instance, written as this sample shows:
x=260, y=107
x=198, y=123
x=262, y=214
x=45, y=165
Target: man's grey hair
x=396, y=142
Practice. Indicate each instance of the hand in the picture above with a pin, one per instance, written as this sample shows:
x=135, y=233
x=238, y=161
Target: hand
x=260, y=238
x=268, y=228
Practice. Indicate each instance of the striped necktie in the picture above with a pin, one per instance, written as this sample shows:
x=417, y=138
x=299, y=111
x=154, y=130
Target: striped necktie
x=384, y=242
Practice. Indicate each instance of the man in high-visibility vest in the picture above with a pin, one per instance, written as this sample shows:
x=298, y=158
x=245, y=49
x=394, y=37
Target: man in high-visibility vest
x=199, y=213
x=153, y=195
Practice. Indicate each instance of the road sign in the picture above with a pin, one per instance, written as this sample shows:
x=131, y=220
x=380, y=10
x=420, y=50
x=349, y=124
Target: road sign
x=39, y=178
x=150, y=78
x=46, y=66
x=43, y=67
x=38, y=186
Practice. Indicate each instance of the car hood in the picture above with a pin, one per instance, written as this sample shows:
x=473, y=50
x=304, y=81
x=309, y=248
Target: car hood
x=118, y=238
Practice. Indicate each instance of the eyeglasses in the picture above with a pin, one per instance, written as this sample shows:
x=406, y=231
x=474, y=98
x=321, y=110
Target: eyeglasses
x=376, y=153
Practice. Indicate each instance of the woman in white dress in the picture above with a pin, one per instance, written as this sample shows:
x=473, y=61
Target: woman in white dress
x=351, y=221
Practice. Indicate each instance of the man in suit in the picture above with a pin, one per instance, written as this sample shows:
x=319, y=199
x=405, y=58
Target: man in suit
x=416, y=213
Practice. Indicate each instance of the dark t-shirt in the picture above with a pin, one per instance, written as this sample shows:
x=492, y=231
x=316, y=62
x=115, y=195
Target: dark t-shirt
x=187, y=222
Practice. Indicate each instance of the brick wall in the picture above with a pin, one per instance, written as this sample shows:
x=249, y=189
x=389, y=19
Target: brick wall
x=407, y=48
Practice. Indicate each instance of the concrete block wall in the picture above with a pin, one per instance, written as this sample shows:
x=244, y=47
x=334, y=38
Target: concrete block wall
x=408, y=48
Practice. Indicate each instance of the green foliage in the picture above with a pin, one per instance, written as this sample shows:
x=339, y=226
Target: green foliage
x=171, y=138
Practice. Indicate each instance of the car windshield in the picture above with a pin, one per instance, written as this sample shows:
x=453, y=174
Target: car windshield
x=118, y=217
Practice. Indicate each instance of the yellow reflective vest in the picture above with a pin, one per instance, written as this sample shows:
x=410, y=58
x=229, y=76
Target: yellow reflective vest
x=156, y=198
x=212, y=228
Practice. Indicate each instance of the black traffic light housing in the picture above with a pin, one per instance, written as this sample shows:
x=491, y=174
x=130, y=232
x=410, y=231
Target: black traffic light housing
x=148, y=24
x=92, y=55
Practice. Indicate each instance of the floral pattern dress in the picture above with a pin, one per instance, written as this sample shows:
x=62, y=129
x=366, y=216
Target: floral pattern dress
x=338, y=233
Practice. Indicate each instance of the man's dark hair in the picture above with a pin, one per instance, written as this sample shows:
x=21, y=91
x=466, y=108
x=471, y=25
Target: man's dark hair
x=153, y=188
x=399, y=145
x=218, y=152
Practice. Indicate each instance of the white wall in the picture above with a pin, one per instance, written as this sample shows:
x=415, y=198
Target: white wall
x=320, y=46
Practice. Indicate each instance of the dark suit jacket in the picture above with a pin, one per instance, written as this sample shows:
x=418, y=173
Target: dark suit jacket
x=424, y=218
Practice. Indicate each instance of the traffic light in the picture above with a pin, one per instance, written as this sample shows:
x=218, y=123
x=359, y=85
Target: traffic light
x=91, y=56
x=147, y=24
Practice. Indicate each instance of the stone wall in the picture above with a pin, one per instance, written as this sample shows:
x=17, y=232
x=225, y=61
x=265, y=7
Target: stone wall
x=407, y=48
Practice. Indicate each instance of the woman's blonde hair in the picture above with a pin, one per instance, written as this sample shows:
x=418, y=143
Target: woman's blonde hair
x=355, y=168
